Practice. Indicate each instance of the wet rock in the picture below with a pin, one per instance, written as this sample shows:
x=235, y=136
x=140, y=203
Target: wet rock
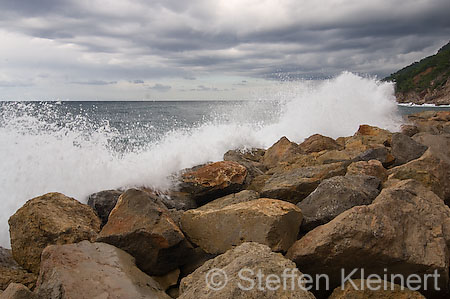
x=11, y=272
x=406, y=230
x=336, y=195
x=214, y=180
x=282, y=150
x=409, y=130
x=405, y=149
x=367, y=289
x=17, y=291
x=251, y=159
x=141, y=225
x=296, y=184
x=371, y=168
x=49, y=219
x=93, y=270
x=318, y=143
x=103, y=202
x=254, y=258
x=219, y=226
x=381, y=154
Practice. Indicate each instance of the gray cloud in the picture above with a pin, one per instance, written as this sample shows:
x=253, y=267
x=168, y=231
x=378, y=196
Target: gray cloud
x=163, y=39
x=161, y=87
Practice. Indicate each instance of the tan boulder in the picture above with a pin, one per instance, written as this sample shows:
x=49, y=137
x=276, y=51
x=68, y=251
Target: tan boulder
x=141, y=225
x=213, y=180
x=406, y=230
x=318, y=143
x=251, y=159
x=281, y=151
x=221, y=277
x=217, y=227
x=17, y=291
x=434, y=122
x=367, y=289
x=294, y=185
x=371, y=167
x=93, y=270
x=11, y=272
x=49, y=219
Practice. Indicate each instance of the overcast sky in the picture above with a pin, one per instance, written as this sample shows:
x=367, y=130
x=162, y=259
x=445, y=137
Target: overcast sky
x=204, y=49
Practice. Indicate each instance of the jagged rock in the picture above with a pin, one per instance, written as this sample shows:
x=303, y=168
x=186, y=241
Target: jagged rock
x=405, y=149
x=231, y=199
x=141, y=225
x=409, y=130
x=11, y=272
x=252, y=160
x=196, y=258
x=173, y=199
x=168, y=280
x=17, y=291
x=93, y=270
x=406, y=230
x=318, y=143
x=296, y=184
x=214, y=180
x=336, y=195
x=434, y=122
x=282, y=150
x=103, y=202
x=374, y=135
x=49, y=219
x=439, y=145
x=254, y=258
x=366, y=289
x=381, y=154
x=219, y=226
x=429, y=170
x=371, y=168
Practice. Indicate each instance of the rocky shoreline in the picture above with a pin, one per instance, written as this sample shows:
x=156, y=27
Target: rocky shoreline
x=377, y=201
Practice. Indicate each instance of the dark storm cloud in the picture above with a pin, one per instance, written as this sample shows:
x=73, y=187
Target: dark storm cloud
x=127, y=39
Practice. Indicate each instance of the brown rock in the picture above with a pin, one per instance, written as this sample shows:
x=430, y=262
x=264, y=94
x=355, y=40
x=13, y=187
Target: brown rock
x=11, y=272
x=168, y=280
x=318, y=143
x=380, y=153
x=93, y=270
x=254, y=258
x=17, y=291
x=49, y=219
x=296, y=184
x=282, y=150
x=371, y=168
x=406, y=230
x=214, y=180
x=374, y=134
x=434, y=122
x=409, y=130
x=219, y=227
x=141, y=225
x=251, y=159
x=365, y=289
x=429, y=170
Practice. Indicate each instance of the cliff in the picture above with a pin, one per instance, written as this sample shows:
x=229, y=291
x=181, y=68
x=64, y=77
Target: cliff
x=426, y=81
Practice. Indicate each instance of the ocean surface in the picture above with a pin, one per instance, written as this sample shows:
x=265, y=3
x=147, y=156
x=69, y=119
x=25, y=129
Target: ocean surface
x=78, y=148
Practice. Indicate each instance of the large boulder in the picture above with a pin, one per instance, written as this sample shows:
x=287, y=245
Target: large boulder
x=17, y=291
x=282, y=150
x=406, y=230
x=213, y=180
x=294, y=185
x=379, y=153
x=251, y=159
x=11, y=272
x=336, y=195
x=429, y=170
x=220, y=225
x=439, y=145
x=103, y=202
x=141, y=225
x=371, y=168
x=434, y=122
x=405, y=149
x=93, y=270
x=368, y=289
x=49, y=219
x=318, y=143
x=222, y=277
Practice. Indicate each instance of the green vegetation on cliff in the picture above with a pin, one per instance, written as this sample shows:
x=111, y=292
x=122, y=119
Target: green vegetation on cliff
x=429, y=73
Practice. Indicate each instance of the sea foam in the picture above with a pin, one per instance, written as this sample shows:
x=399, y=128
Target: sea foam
x=40, y=155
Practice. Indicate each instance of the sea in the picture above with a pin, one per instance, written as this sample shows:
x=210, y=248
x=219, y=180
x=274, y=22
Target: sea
x=81, y=147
